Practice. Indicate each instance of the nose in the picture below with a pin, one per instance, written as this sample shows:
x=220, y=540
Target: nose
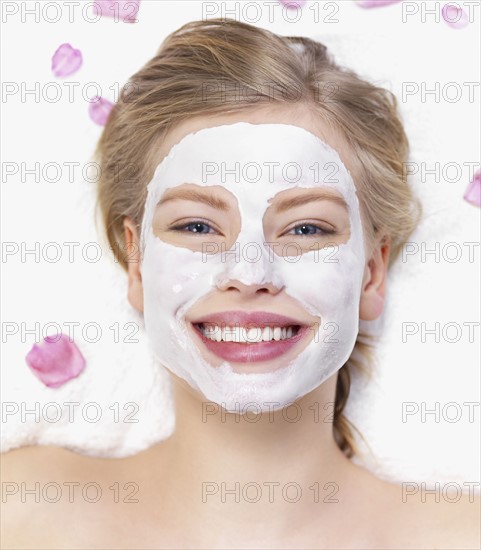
x=248, y=290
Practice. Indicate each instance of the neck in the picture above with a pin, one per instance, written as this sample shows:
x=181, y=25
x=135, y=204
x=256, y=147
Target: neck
x=231, y=466
x=296, y=440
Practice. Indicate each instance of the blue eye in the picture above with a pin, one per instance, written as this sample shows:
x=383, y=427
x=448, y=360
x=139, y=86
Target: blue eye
x=311, y=230
x=195, y=227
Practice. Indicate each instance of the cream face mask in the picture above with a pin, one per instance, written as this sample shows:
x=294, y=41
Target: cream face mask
x=219, y=357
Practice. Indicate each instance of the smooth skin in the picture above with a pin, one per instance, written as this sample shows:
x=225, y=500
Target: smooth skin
x=342, y=505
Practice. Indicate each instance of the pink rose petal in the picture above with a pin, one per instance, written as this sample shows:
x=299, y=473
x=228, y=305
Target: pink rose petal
x=99, y=110
x=66, y=60
x=455, y=16
x=121, y=10
x=293, y=4
x=473, y=192
x=375, y=3
x=55, y=361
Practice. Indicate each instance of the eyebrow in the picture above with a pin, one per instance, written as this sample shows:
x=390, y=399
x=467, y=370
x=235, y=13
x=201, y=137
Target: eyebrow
x=280, y=206
x=196, y=196
x=319, y=195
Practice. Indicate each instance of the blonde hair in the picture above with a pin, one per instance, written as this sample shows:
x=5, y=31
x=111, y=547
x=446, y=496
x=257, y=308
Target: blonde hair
x=200, y=69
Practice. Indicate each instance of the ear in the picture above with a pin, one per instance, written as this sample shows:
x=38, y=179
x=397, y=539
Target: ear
x=374, y=283
x=135, y=293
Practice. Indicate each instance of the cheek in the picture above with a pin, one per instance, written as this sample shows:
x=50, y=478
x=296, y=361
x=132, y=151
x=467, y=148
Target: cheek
x=172, y=276
x=327, y=280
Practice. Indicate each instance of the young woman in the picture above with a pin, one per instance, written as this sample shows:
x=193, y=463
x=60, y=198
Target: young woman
x=253, y=192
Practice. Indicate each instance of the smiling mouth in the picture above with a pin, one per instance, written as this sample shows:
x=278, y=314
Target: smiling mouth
x=249, y=344
x=247, y=334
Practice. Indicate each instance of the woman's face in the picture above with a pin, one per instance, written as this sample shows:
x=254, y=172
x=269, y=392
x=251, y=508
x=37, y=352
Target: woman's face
x=253, y=257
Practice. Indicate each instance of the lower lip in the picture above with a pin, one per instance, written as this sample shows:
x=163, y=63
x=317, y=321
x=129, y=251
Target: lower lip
x=251, y=353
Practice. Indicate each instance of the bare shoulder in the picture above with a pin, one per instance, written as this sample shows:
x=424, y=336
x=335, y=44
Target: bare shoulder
x=459, y=521
x=41, y=487
x=37, y=460
x=74, y=501
x=456, y=520
x=447, y=517
x=39, y=465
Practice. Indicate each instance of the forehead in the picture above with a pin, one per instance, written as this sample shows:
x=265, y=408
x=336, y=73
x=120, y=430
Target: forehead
x=299, y=116
x=253, y=160
x=261, y=146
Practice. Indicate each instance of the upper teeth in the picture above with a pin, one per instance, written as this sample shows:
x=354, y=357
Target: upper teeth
x=243, y=334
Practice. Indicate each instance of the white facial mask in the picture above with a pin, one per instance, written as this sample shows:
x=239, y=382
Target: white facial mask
x=325, y=283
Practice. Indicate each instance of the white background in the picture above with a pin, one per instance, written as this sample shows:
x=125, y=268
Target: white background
x=381, y=47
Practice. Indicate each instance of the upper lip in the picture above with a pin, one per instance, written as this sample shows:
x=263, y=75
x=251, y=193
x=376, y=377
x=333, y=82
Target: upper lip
x=244, y=318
